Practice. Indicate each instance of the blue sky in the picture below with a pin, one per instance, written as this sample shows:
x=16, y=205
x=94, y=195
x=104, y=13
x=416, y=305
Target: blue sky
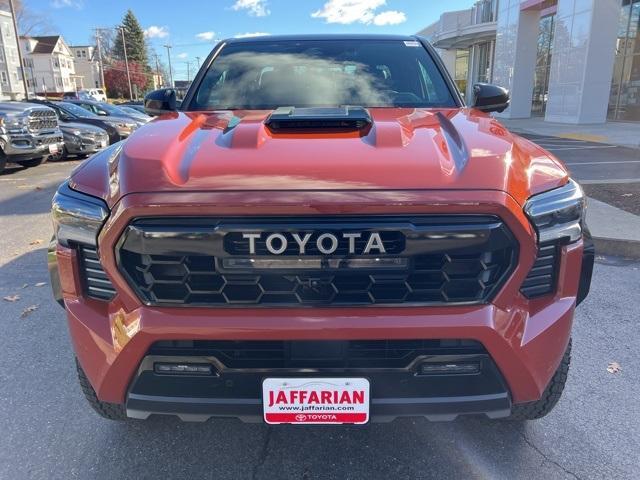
x=193, y=26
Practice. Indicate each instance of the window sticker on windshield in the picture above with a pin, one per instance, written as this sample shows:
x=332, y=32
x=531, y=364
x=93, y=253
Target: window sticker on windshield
x=412, y=43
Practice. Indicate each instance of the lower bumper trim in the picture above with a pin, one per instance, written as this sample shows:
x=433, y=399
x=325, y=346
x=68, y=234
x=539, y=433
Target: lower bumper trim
x=382, y=409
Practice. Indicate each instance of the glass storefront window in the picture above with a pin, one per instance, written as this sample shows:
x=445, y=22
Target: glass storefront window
x=624, y=101
x=484, y=55
x=485, y=11
x=543, y=65
x=462, y=70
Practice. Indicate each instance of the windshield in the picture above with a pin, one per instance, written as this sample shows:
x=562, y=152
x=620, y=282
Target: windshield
x=322, y=73
x=74, y=109
x=111, y=110
x=132, y=111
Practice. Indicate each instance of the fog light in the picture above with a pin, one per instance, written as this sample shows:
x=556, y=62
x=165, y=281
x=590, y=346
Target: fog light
x=183, y=369
x=449, y=368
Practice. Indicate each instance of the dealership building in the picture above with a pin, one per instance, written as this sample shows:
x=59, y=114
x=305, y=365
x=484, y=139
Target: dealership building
x=567, y=61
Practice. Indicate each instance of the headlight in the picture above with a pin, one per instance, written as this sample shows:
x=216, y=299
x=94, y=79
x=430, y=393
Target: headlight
x=558, y=214
x=14, y=121
x=77, y=218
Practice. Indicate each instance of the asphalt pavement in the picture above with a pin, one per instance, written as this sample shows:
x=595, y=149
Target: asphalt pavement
x=47, y=431
x=591, y=162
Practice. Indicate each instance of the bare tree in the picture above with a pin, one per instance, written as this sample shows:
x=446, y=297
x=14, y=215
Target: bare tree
x=29, y=22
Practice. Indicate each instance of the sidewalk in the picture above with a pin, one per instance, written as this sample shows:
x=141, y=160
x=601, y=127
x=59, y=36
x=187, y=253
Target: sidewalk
x=615, y=232
x=612, y=133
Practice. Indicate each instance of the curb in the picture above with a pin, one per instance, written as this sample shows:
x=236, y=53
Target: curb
x=617, y=247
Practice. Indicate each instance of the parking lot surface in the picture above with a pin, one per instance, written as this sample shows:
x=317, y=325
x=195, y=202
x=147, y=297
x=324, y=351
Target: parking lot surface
x=591, y=162
x=48, y=431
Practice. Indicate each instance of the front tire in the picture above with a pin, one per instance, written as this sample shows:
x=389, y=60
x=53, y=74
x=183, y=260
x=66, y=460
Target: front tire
x=110, y=411
x=34, y=162
x=550, y=397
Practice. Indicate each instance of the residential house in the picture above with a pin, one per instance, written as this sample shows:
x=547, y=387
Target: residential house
x=49, y=64
x=87, y=66
x=11, y=87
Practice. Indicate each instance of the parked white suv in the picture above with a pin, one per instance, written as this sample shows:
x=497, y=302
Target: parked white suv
x=96, y=94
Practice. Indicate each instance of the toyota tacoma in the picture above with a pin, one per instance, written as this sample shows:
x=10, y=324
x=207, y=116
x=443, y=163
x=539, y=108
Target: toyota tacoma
x=322, y=232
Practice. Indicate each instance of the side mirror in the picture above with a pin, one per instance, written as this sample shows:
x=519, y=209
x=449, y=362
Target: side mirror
x=160, y=101
x=102, y=113
x=490, y=98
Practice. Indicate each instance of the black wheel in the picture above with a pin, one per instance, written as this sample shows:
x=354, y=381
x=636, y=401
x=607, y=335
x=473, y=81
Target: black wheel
x=111, y=411
x=3, y=161
x=550, y=397
x=34, y=162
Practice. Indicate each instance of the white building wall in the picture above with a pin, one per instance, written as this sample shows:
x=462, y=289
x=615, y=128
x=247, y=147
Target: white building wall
x=582, y=62
x=11, y=87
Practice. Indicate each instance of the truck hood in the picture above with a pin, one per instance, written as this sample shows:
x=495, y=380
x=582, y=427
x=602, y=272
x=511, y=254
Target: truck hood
x=404, y=149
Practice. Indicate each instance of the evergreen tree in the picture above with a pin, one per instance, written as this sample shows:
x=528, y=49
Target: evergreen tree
x=136, y=43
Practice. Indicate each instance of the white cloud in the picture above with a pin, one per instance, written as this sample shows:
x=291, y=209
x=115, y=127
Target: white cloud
x=358, y=11
x=390, y=17
x=257, y=8
x=78, y=4
x=183, y=55
x=206, y=36
x=155, y=31
x=251, y=34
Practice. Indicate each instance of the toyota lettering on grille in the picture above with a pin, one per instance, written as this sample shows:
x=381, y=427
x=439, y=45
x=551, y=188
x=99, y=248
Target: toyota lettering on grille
x=326, y=243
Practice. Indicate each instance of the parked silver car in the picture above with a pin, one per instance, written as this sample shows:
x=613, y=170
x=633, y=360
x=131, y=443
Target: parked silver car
x=29, y=133
x=81, y=139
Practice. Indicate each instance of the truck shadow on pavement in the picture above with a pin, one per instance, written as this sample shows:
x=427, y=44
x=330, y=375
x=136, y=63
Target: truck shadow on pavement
x=406, y=448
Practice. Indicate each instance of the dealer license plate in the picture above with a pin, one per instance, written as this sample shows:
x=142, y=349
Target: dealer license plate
x=316, y=400
x=53, y=148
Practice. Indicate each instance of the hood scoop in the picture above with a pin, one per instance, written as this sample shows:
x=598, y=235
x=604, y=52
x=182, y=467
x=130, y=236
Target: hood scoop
x=457, y=147
x=287, y=119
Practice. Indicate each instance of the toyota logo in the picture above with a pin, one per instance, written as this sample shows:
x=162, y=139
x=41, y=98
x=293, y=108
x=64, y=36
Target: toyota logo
x=301, y=417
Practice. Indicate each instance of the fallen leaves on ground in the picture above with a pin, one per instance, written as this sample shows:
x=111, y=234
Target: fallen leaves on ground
x=36, y=242
x=627, y=194
x=614, y=367
x=29, y=310
x=12, y=298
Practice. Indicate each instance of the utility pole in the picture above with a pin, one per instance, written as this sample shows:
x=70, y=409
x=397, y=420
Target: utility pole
x=157, y=70
x=188, y=71
x=126, y=61
x=100, y=64
x=198, y=60
x=171, y=84
x=15, y=27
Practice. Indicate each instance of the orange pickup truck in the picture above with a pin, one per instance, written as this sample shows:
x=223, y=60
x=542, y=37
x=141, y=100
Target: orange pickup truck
x=322, y=232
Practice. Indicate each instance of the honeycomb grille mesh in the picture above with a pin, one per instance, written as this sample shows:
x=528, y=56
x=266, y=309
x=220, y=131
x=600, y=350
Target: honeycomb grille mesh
x=193, y=279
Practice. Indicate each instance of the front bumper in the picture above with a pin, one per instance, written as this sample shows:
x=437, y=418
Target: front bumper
x=524, y=339
x=27, y=147
x=85, y=145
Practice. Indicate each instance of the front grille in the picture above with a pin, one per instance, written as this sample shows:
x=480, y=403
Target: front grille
x=42, y=120
x=259, y=354
x=48, y=140
x=542, y=277
x=428, y=260
x=96, y=283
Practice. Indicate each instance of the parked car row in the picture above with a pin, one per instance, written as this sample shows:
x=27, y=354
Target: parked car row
x=32, y=132
x=95, y=94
